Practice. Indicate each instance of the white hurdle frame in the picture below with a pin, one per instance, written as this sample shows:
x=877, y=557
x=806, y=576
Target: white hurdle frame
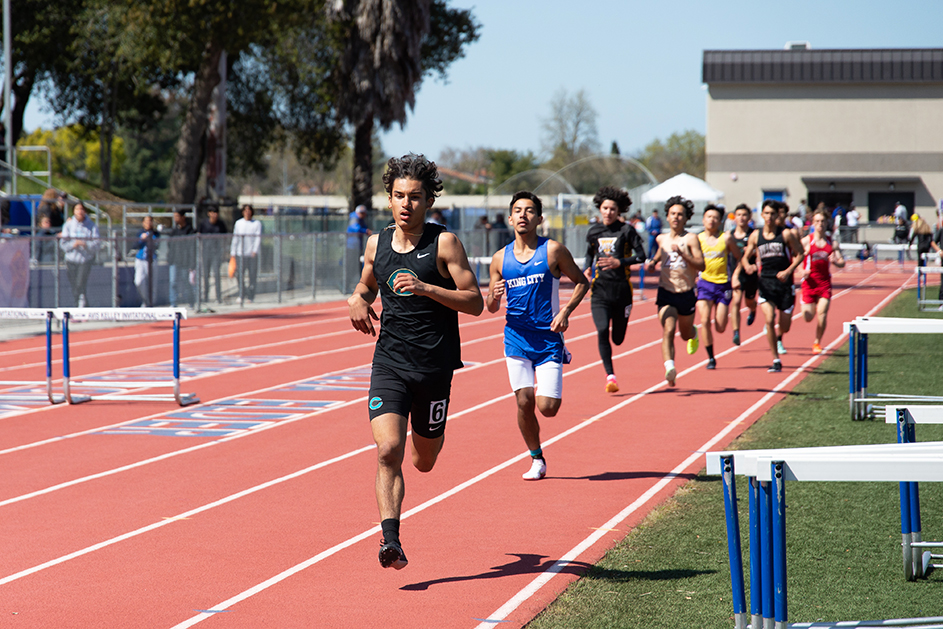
x=34, y=314
x=767, y=471
x=858, y=331
x=121, y=314
x=922, y=302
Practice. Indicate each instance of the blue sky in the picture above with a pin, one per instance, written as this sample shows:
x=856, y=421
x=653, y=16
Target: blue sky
x=639, y=62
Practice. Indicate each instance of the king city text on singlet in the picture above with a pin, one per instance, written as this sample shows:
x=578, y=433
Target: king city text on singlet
x=715, y=259
x=416, y=333
x=774, y=255
x=532, y=290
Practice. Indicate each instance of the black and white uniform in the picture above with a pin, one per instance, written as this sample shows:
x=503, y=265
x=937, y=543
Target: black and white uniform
x=612, y=288
x=775, y=256
x=749, y=282
x=418, y=347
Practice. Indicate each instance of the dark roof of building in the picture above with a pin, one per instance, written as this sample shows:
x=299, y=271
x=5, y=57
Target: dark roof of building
x=913, y=65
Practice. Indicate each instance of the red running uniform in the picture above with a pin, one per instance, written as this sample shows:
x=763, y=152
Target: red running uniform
x=817, y=282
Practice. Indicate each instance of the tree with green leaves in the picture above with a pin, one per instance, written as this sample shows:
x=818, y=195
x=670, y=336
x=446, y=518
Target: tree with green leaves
x=388, y=47
x=681, y=153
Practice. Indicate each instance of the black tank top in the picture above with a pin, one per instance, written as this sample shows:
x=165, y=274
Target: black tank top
x=774, y=255
x=417, y=333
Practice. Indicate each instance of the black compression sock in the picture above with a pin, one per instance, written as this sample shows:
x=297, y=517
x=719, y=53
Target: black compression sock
x=710, y=351
x=390, y=528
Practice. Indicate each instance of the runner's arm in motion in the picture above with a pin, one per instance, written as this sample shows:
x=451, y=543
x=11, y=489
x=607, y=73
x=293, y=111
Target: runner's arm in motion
x=452, y=262
x=696, y=258
x=560, y=261
x=496, y=287
x=360, y=304
x=636, y=254
x=592, y=249
x=650, y=264
x=837, y=258
x=789, y=237
x=748, y=252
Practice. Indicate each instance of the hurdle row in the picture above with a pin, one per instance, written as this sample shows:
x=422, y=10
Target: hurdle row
x=767, y=470
x=923, y=303
x=66, y=315
x=860, y=403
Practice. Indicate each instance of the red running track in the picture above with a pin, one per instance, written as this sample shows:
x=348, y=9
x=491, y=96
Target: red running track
x=137, y=514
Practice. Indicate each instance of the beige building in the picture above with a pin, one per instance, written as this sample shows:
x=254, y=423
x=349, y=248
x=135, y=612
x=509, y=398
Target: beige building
x=839, y=126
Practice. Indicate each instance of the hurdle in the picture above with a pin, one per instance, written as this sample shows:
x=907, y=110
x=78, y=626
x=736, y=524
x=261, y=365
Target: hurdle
x=915, y=564
x=124, y=314
x=860, y=403
x=767, y=471
x=34, y=314
x=923, y=303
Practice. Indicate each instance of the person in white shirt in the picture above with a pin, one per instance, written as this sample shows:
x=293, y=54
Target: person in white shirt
x=851, y=220
x=246, y=242
x=80, y=241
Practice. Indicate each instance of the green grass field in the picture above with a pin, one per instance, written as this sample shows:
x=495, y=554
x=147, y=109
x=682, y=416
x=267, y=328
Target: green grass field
x=843, y=539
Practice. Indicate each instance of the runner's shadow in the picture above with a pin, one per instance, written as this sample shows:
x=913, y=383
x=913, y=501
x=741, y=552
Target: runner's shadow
x=525, y=564
x=621, y=476
x=621, y=576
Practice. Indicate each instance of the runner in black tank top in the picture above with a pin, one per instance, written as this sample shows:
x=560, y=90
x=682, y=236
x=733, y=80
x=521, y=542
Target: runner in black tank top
x=423, y=275
x=779, y=253
x=744, y=284
x=417, y=333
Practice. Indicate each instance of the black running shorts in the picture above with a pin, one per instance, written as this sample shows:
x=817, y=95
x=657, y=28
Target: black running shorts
x=684, y=303
x=749, y=283
x=423, y=397
x=781, y=295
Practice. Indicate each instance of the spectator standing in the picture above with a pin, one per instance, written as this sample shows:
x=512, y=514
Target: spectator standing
x=852, y=218
x=181, y=256
x=500, y=229
x=143, y=260
x=80, y=242
x=46, y=245
x=900, y=212
x=653, y=227
x=246, y=243
x=52, y=205
x=213, y=229
x=357, y=232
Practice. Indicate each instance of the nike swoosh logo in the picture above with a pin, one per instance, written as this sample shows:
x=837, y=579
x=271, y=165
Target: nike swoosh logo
x=421, y=255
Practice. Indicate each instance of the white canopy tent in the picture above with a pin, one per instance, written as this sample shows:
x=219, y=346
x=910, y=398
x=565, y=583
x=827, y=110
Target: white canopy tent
x=687, y=186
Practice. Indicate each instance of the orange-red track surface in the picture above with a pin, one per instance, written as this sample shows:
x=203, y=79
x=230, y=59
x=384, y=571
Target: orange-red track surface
x=256, y=507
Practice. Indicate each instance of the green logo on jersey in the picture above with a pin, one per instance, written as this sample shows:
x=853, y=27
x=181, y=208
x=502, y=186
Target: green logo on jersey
x=393, y=275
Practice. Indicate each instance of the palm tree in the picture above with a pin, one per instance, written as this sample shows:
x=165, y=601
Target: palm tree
x=380, y=68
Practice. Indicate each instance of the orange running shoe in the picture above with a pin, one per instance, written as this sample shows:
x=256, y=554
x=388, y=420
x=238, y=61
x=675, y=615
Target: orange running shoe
x=611, y=385
x=816, y=348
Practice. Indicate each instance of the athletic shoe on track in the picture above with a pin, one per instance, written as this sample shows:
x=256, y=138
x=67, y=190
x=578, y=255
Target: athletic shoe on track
x=816, y=348
x=780, y=348
x=776, y=368
x=693, y=343
x=736, y=337
x=751, y=318
x=392, y=555
x=711, y=363
x=611, y=385
x=538, y=469
x=670, y=376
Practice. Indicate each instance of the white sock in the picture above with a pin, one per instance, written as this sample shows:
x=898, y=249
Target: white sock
x=669, y=365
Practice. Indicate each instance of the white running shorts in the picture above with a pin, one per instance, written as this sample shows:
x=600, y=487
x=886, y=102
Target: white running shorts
x=549, y=376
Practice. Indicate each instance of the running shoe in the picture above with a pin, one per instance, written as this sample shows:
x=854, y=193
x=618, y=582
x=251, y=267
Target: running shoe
x=816, y=348
x=712, y=363
x=736, y=337
x=780, y=348
x=392, y=555
x=611, y=385
x=693, y=343
x=776, y=368
x=538, y=469
x=751, y=317
x=670, y=376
